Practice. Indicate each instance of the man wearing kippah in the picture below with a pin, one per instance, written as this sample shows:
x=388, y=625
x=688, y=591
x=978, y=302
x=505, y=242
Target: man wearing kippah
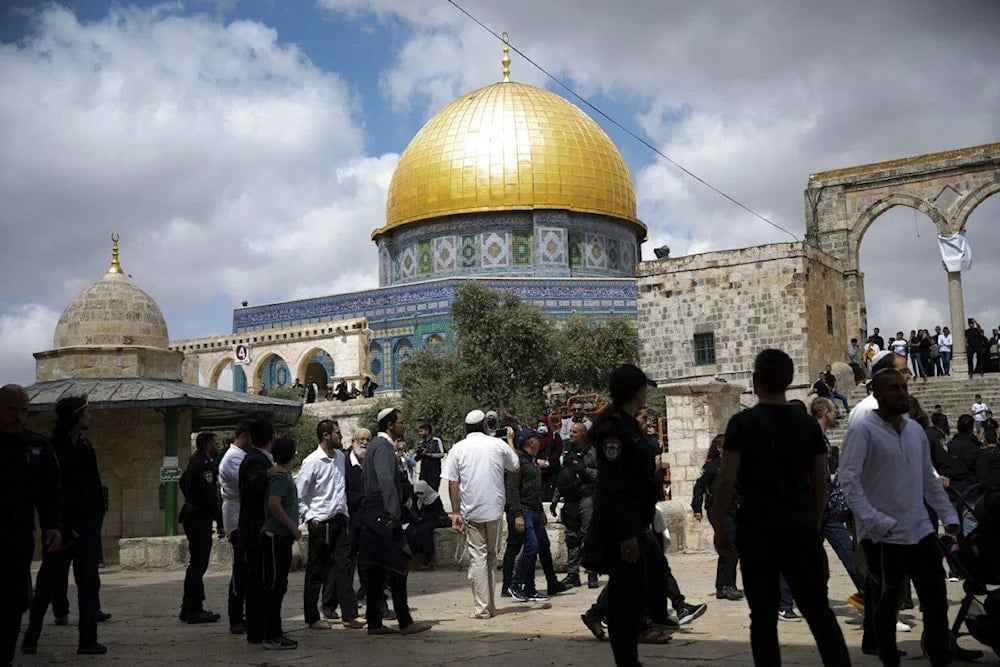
x=475, y=472
x=382, y=544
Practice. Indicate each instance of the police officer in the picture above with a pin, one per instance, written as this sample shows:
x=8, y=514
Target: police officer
x=627, y=492
x=29, y=476
x=201, y=508
x=83, y=511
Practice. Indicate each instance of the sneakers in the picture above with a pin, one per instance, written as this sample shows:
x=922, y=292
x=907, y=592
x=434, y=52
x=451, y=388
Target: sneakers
x=729, y=593
x=902, y=627
x=481, y=615
x=505, y=593
x=280, y=644
x=536, y=596
x=592, y=580
x=331, y=614
x=92, y=648
x=689, y=612
x=518, y=595
x=572, y=579
x=788, y=615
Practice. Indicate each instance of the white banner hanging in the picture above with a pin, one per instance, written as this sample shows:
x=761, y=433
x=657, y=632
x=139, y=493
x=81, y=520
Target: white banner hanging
x=956, y=253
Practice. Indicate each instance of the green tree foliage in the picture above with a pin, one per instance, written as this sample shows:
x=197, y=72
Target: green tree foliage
x=507, y=350
x=588, y=354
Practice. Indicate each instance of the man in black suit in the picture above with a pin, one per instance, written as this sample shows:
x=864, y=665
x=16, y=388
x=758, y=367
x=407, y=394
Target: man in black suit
x=255, y=470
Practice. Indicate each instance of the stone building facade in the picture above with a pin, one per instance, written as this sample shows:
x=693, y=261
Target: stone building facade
x=703, y=317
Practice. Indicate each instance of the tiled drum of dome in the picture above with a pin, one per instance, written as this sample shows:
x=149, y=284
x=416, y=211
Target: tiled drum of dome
x=445, y=256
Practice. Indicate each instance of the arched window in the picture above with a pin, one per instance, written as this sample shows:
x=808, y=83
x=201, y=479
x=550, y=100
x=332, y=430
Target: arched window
x=401, y=351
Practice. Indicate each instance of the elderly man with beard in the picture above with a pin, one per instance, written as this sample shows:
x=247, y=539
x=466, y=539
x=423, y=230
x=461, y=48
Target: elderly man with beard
x=887, y=476
x=29, y=477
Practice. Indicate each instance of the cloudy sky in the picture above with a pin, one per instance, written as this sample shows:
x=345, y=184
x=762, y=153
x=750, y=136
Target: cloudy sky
x=242, y=148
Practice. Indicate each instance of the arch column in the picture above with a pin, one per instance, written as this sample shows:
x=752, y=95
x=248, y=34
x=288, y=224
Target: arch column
x=956, y=304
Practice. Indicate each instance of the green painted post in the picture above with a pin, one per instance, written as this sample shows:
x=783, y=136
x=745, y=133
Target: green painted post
x=170, y=500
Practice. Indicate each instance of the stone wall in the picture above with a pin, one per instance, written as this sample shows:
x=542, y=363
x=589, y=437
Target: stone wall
x=108, y=362
x=766, y=296
x=130, y=446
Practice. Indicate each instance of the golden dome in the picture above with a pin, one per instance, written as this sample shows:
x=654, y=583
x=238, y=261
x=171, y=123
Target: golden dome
x=509, y=146
x=112, y=312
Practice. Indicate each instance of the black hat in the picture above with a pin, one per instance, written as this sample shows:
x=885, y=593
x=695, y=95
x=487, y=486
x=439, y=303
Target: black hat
x=626, y=379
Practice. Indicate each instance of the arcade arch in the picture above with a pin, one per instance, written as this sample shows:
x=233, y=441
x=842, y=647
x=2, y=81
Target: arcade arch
x=947, y=187
x=317, y=364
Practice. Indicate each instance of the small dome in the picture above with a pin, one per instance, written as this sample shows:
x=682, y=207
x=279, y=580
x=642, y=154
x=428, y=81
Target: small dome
x=509, y=146
x=112, y=312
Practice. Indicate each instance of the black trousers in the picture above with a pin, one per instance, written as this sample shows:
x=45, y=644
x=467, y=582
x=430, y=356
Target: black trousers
x=199, y=539
x=256, y=611
x=796, y=553
x=329, y=568
x=277, y=559
x=237, y=580
x=626, y=586
x=377, y=577
x=16, y=550
x=888, y=566
x=53, y=576
x=725, y=567
x=515, y=541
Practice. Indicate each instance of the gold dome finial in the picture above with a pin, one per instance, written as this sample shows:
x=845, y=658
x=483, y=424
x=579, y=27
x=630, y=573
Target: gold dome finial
x=505, y=61
x=115, y=266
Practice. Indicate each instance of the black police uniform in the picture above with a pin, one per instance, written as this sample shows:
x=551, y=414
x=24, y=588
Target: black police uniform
x=83, y=513
x=29, y=477
x=627, y=493
x=199, y=483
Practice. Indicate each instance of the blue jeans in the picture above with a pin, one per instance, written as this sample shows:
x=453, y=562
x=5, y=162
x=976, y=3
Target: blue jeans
x=534, y=537
x=945, y=358
x=839, y=538
x=837, y=396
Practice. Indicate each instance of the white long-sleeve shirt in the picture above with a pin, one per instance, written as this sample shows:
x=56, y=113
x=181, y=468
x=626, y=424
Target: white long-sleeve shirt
x=229, y=481
x=322, y=486
x=945, y=342
x=886, y=478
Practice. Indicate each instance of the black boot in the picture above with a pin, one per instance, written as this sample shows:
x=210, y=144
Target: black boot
x=572, y=579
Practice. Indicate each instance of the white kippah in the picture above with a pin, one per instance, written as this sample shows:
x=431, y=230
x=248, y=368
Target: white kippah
x=475, y=417
x=880, y=356
x=385, y=413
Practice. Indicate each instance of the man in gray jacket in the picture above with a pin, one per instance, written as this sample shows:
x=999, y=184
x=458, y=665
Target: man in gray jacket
x=385, y=552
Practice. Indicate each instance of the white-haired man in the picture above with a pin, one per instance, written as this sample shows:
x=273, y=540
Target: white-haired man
x=475, y=472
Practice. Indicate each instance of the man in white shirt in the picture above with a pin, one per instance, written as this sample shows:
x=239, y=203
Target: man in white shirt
x=475, y=472
x=945, y=342
x=322, y=489
x=887, y=476
x=882, y=361
x=899, y=345
x=229, y=484
x=978, y=412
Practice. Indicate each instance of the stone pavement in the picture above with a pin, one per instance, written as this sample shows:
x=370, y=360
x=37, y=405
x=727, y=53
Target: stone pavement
x=144, y=629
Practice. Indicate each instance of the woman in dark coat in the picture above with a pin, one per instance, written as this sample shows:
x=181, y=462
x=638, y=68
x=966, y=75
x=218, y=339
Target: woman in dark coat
x=428, y=515
x=725, y=570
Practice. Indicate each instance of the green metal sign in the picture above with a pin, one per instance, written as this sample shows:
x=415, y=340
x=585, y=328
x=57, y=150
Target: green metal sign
x=170, y=474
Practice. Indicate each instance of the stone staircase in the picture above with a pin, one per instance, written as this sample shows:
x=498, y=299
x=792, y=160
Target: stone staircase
x=953, y=393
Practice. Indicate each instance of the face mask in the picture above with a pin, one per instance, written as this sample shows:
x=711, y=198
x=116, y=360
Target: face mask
x=543, y=429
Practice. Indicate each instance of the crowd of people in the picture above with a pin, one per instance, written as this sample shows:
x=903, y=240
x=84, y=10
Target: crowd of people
x=773, y=489
x=929, y=354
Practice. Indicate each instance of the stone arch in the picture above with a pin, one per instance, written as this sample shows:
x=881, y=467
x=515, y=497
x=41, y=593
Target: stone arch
x=972, y=201
x=401, y=351
x=215, y=371
x=272, y=371
x=317, y=364
x=875, y=211
x=239, y=379
x=842, y=204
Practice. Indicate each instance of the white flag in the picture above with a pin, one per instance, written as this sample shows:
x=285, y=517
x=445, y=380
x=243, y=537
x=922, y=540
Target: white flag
x=956, y=253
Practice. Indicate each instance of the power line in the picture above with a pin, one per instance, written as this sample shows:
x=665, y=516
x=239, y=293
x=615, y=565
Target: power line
x=622, y=127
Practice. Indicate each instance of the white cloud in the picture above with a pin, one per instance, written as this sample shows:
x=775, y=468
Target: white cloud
x=227, y=161
x=24, y=329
